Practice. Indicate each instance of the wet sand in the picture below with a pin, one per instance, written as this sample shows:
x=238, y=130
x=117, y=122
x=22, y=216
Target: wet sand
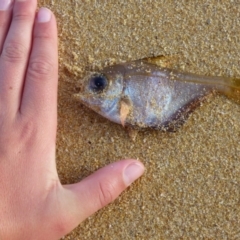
x=191, y=187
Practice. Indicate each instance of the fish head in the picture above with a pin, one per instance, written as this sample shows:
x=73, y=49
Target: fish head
x=101, y=91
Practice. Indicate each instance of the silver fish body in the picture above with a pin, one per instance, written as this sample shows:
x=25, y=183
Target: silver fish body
x=141, y=94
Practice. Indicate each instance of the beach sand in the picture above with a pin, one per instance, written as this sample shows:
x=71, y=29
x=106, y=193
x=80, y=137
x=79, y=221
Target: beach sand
x=191, y=187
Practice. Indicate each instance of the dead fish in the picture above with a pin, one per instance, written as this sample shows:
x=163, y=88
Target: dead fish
x=143, y=95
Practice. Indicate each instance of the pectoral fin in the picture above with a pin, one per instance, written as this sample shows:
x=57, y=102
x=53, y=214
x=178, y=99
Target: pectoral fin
x=125, y=108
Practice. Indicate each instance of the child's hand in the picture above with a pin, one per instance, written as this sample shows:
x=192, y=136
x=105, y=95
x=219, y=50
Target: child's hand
x=33, y=203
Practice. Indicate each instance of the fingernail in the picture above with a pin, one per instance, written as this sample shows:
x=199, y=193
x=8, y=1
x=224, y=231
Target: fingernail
x=132, y=172
x=44, y=15
x=5, y=4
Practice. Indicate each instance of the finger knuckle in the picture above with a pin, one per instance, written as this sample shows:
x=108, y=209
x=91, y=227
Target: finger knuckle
x=106, y=190
x=27, y=133
x=23, y=15
x=13, y=52
x=40, y=67
x=43, y=35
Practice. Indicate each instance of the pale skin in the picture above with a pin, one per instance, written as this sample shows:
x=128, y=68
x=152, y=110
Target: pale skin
x=33, y=202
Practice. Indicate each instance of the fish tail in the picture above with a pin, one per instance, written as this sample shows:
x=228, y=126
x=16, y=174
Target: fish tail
x=230, y=87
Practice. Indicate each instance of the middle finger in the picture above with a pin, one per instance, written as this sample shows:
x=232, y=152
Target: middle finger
x=5, y=17
x=15, y=54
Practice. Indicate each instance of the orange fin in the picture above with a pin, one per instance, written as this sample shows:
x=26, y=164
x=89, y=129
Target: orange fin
x=124, y=111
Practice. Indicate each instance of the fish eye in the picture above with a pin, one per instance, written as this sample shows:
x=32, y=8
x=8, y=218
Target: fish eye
x=98, y=83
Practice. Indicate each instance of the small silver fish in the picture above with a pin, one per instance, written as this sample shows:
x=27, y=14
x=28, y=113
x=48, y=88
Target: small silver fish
x=141, y=94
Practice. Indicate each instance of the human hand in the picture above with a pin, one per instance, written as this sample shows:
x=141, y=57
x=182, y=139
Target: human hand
x=33, y=203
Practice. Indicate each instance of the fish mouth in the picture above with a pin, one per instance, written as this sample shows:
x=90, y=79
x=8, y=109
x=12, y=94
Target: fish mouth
x=88, y=101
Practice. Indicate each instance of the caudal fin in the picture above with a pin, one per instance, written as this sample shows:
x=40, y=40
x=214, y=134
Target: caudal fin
x=230, y=87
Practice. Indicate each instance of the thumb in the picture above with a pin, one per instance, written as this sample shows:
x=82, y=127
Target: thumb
x=100, y=188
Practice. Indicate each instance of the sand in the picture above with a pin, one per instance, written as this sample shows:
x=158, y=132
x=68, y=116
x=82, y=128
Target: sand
x=191, y=187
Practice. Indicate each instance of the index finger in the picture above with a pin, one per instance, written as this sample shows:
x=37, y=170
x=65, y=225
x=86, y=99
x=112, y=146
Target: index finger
x=39, y=97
